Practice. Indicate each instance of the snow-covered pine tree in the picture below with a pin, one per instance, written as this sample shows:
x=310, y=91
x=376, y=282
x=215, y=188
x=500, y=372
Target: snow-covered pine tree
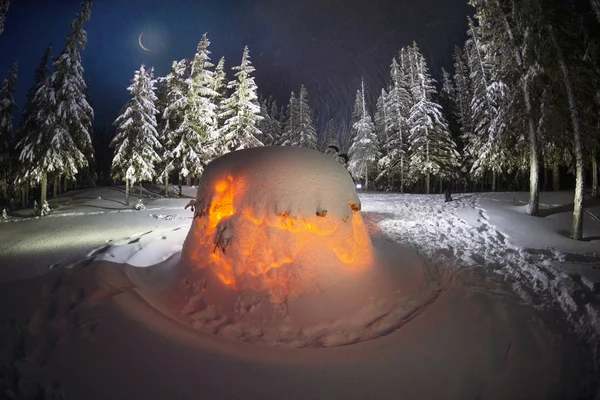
x=162, y=91
x=264, y=125
x=4, y=5
x=136, y=142
x=7, y=107
x=241, y=111
x=219, y=86
x=515, y=42
x=305, y=134
x=290, y=123
x=28, y=130
x=383, y=132
x=462, y=86
x=449, y=103
x=201, y=111
x=64, y=116
x=364, y=150
x=348, y=134
x=485, y=143
x=394, y=164
x=463, y=92
x=560, y=48
x=220, y=79
x=275, y=128
x=171, y=134
x=269, y=126
x=432, y=150
x=381, y=119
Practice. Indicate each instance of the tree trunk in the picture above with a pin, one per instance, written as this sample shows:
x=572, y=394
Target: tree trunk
x=494, y=175
x=367, y=177
x=595, y=192
x=140, y=189
x=27, y=193
x=126, y=192
x=402, y=173
x=577, y=231
x=534, y=157
x=555, y=177
x=65, y=185
x=427, y=183
x=167, y=185
x=44, y=195
x=55, y=187
x=180, y=188
x=188, y=180
x=23, y=197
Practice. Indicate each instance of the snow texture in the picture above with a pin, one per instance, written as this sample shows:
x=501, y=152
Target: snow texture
x=477, y=331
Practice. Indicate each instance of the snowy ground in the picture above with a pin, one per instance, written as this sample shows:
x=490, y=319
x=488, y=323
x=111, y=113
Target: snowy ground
x=515, y=289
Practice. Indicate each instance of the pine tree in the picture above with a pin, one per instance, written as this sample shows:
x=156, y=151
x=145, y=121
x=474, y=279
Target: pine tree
x=241, y=111
x=485, y=143
x=4, y=5
x=381, y=121
x=349, y=134
x=463, y=92
x=201, y=111
x=176, y=143
x=136, y=142
x=399, y=103
x=63, y=144
x=219, y=87
x=463, y=98
x=275, y=128
x=559, y=49
x=28, y=130
x=264, y=125
x=305, y=134
x=433, y=152
x=514, y=43
x=290, y=124
x=7, y=107
x=364, y=150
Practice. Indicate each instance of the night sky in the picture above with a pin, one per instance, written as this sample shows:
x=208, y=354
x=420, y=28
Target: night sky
x=325, y=44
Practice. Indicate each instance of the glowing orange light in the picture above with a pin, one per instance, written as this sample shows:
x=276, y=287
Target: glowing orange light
x=262, y=245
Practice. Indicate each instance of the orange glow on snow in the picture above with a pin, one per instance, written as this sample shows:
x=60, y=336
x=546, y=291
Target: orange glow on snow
x=252, y=256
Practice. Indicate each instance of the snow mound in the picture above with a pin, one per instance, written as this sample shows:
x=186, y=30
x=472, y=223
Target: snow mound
x=271, y=218
x=278, y=254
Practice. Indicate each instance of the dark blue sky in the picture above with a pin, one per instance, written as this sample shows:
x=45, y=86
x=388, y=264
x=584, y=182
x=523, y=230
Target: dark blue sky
x=325, y=44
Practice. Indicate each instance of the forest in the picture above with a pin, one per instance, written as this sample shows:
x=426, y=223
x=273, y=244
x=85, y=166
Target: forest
x=520, y=112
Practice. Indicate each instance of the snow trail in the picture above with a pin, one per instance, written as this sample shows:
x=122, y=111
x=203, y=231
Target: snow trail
x=434, y=229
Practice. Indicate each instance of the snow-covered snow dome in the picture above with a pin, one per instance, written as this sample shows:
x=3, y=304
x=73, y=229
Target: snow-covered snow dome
x=278, y=254
x=280, y=220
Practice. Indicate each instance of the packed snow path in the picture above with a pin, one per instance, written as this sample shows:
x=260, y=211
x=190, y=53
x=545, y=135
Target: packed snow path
x=439, y=233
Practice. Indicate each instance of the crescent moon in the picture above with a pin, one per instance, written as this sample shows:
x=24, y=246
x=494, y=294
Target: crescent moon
x=141, y=44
